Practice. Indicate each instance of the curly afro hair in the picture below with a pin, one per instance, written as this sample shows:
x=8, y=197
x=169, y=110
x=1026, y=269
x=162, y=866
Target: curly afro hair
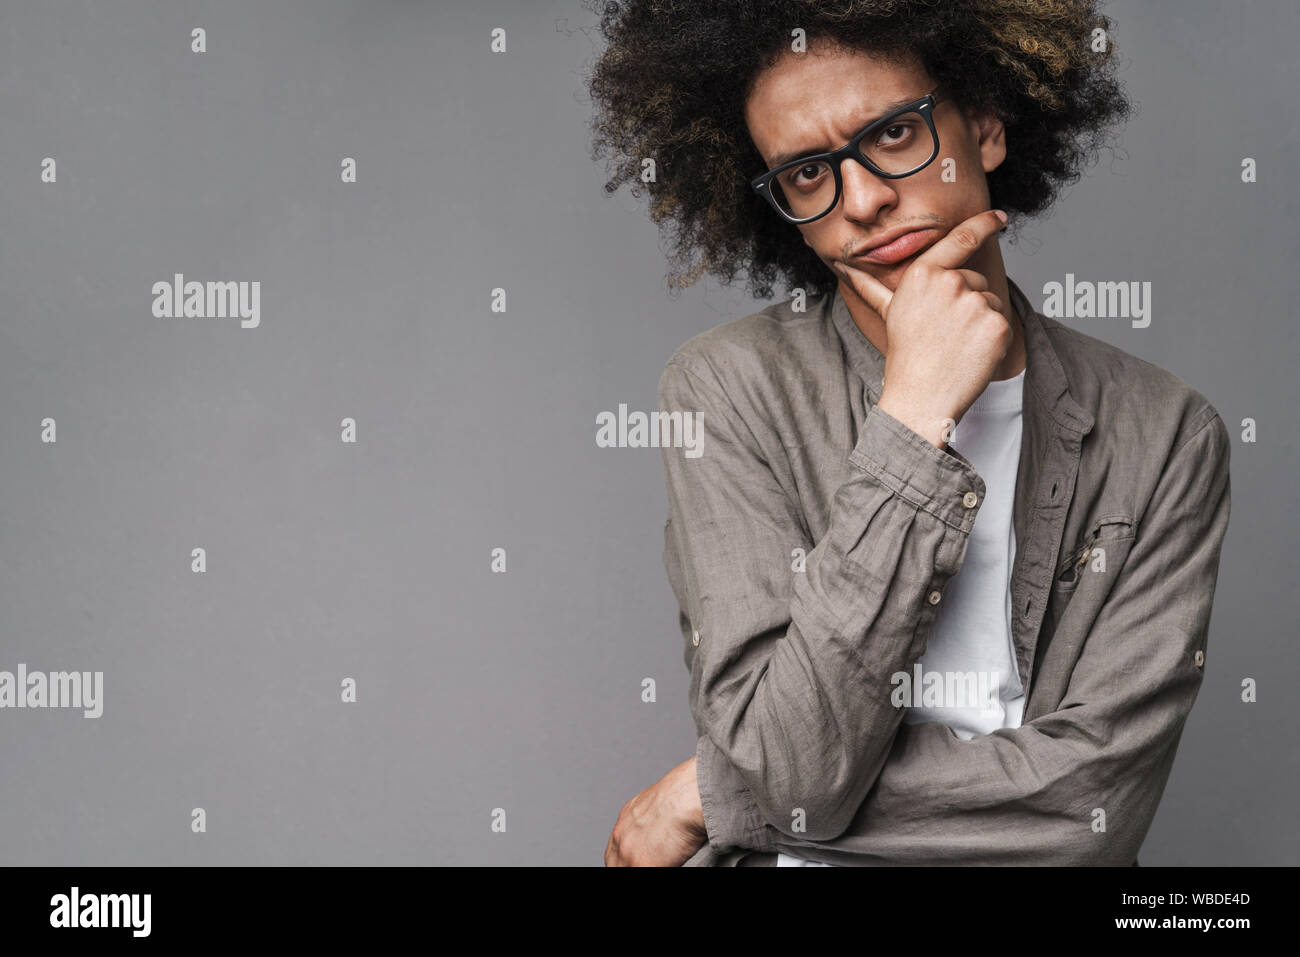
x=673, y=80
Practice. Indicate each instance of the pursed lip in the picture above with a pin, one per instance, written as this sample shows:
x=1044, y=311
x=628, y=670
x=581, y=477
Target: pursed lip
x=884, y=239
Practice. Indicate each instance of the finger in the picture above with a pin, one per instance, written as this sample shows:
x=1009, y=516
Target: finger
x=962, y=240
x=872, y=291
x=614, y=856
x=993, y=301
x=976, y=280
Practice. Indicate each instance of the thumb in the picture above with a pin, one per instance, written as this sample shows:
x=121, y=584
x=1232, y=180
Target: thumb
x=871, y=290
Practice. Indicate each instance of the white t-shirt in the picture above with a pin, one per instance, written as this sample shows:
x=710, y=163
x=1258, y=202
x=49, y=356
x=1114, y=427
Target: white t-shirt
x=970, y=646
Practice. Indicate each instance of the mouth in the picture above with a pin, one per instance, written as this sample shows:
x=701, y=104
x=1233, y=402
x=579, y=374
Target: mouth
x=899, y=247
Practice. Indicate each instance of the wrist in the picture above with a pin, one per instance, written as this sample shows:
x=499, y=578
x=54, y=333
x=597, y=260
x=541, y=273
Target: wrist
x=935, y=429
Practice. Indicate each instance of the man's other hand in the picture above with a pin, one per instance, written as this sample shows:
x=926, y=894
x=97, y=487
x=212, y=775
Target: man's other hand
x=662, y=826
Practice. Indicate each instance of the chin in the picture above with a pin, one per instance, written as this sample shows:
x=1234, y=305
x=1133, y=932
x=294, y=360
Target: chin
x=891, y=276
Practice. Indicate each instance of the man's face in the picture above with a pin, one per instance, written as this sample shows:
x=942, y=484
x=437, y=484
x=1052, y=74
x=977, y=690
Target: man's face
x=816, y=101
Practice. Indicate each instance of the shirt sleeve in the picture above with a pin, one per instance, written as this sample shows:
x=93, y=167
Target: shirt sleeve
x=790, y=670
x=1078, y=786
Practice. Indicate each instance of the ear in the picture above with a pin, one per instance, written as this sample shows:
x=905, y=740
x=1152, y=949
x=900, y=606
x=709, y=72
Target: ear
x=991, y=137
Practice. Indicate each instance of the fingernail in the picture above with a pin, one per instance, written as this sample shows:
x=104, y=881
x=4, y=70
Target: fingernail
x=1000, y=215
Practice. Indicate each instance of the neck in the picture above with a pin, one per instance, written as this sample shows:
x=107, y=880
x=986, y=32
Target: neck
x=988, y=262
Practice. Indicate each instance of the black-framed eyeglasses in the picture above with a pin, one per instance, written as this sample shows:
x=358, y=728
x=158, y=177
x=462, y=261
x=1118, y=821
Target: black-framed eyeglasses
x=894, y=146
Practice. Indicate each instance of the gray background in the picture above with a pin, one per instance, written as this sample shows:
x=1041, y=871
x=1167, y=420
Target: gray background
x=476, y=429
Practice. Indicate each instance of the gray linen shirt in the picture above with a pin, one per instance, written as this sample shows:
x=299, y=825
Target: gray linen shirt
x=1121, y=506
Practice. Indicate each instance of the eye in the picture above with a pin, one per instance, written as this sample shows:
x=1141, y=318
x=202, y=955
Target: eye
x=896, y=134
x=806, y=177
x=808, y=173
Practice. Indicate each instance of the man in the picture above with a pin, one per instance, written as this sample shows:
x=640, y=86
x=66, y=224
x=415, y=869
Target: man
x=945, y=568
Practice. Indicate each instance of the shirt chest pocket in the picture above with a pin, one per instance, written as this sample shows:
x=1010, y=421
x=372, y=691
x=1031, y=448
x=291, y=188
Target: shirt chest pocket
x=1101, y=553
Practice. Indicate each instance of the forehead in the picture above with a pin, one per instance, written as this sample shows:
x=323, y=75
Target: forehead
x=813, y=101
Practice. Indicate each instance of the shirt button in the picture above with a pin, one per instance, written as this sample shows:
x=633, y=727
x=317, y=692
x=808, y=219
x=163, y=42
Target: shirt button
x=934, y=597
x=695, y=638
x=970, y=499
x=1199, y=658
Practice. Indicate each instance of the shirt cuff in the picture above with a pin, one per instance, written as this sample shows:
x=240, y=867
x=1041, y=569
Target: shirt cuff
x=731, y=815
x=941, y=481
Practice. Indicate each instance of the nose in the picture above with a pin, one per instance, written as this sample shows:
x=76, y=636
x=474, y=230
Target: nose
x=864, y=193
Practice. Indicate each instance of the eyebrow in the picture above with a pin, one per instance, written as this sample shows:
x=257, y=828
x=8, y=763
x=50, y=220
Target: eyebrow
x=782, y=158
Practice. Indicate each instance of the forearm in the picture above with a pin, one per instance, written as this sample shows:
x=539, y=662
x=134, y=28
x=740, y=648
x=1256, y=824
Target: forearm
x=790, y=675
x=1011, y=798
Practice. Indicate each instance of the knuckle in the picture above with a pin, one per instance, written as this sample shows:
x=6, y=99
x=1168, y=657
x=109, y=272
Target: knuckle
x=952, y=279
x=963, y=236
